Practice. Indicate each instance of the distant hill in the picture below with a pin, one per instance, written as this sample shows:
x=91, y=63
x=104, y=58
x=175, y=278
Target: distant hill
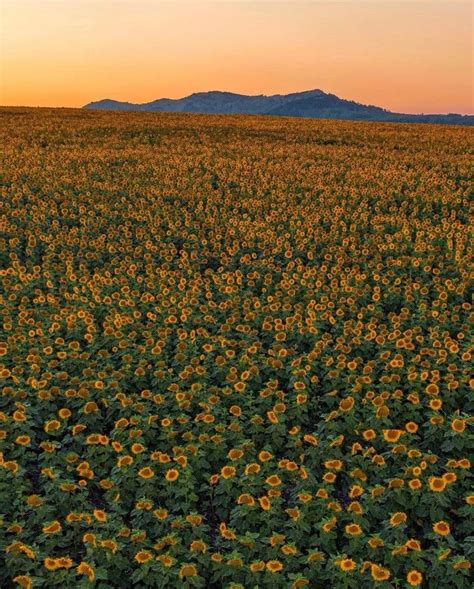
x=312, y=104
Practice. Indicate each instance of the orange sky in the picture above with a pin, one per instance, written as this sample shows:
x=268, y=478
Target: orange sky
x=405, y=55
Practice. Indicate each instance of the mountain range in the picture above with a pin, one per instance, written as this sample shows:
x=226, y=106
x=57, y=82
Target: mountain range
x=311, y=104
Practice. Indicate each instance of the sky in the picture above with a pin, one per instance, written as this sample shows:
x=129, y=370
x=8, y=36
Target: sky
x=405, y=55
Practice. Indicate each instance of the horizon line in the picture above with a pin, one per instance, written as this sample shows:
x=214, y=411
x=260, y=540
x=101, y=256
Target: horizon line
x=261, y=94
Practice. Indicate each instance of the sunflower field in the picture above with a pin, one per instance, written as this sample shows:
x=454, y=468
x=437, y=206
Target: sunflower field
x=234, y=352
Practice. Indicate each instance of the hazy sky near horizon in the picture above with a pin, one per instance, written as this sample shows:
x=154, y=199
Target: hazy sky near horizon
x=405, y=55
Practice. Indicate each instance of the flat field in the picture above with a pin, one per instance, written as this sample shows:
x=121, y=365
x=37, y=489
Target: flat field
x=235, y=352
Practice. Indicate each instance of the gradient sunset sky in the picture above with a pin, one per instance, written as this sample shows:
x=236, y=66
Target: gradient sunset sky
x=405, y=55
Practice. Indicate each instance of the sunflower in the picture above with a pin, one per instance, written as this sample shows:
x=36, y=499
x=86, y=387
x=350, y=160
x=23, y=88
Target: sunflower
x=442, y=528
x=355, y=507
x=437, y=484
x=235, y=454
x=329, y=477
x=64, y=562
x=294, y=513
x=23, y=440
x=172, y=474
x=289, y=549
x=274, y=566
x=264, y=456
x=265, y=503
x=411, y=427
x=52, y=528
x=415, y=484
x=143, y=556
x=124, y=461
x=273, y=480
x=329, y=525
x=165, y=560
x=392, y=435
x=414, y=578
x=188, y=570
x=398, y=518
x=346, y=404
x=444, y=554
x=316, y=556
x=462, y=564
x=35, y=501
x=379, y=573
x=277, y=539
x=450, y=477
x=24, y=581
x=375, y=542
x=334, y=464
x=52, y=425
x=310, y=439
x=458, y=425
x=146, y=472
x=432, y=389
x=85, y=569
x=299, y=583
x=198, y=546
x=353, y=530
x=347, y=564
x=100, y=515
x=246, y=499
x=144, y=504
x=109, y=545
x=228, y=472
x=51, y=563
x=356, y=491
